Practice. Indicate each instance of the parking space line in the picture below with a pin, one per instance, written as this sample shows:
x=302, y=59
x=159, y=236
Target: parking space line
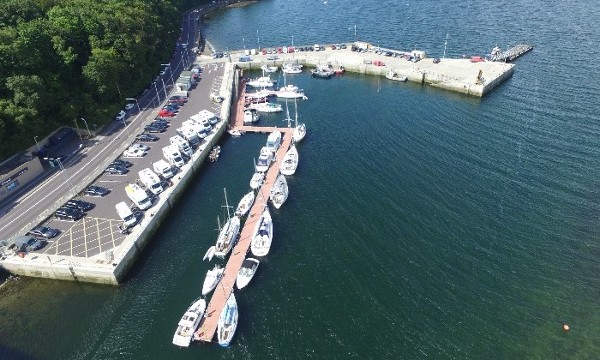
x=71, y=240
x=112, y=234
x=98, y=230
x=84, y=236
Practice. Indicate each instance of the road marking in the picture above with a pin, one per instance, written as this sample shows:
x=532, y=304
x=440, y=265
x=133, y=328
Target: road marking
x=98, y=230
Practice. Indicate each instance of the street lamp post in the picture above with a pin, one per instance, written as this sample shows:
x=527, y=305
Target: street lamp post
x=78, y=131
x=87, y=127
x=36, y=143
x=164, y=87
x=157, y=94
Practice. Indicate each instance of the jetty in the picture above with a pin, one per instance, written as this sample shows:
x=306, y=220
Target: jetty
x=209, y=324
x=511, y=54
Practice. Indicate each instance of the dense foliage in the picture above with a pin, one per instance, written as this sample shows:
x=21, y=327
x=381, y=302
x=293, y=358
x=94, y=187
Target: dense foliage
x=65, y=59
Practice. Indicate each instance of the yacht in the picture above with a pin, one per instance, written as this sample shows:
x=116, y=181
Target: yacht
x=250, y=116
x=279, y=191
x=227, y=321
x=290, y=161
x=290, y=92
x=261, y=82
x=291, y=69
x=264, y=160
x=323, y=71
x=189, y=322
x=266, y=107
x=212, y=279
x=246, y=272
x=299, y=129
x=273, y=141
x=263, y=234
x=227, y=237
x=245, y=204
x=257, y=179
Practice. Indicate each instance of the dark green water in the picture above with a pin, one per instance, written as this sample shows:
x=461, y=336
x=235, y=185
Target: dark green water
x=420, y=223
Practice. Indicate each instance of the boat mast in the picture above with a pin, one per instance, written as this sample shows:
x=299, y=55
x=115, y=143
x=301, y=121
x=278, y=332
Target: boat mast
x=226, y=204
x=287, y=111
x=296, y=105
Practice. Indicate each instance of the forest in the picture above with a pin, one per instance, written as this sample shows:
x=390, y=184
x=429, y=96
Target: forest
x=65, y=59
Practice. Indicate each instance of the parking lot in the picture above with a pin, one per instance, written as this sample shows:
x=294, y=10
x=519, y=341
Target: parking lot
x=99, y=231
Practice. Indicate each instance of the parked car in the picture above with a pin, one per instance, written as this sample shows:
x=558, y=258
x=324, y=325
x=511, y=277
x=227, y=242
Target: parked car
x=65, y=213
x=160, y=125
x=96, y=191
x=28, y=243
x=177, y=99
x=154, y=129
x=140, y=147
x=171, y=107
x=146, y=138
x=44, y=231
x=80, y=205
x=120, y=116
x=116, y=170
x=122, y=163
x=166, y=113
x=134, y=153
x=129, y=106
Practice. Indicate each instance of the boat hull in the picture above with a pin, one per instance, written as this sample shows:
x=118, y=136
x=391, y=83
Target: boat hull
x=227, y=322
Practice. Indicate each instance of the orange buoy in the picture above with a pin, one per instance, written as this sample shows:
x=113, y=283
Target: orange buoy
x=566, y=327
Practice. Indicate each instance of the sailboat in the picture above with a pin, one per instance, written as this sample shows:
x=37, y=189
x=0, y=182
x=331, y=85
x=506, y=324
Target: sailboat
x=212, y=279
x=245, y=204
x=287, y=114
x=227, y=321
x=228, y=233
x=299, y=129
x=289, y=164
x=279, y=191
x=263, y=234
x=189, y=322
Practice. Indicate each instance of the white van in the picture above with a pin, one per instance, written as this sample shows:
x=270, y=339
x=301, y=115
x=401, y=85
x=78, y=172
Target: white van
x=125, y=214
x=317, y=47
x=182, y=144
x=189, y=135
x=196, y=127
x=163, y=168
x=173, y=156
x=151, y=181
x=206, y=115
x=138, y=196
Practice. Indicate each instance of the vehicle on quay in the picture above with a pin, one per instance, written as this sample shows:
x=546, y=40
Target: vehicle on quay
x=28, y=243
x=177, y=99
x=97, y=191
x=279, y=191
x=138, y=196
x=173, y=156
x=182, y=145
x=81, y=205
x=209, y=116
x=134, y=153
x=227, y=321
x=44, y=231
x=120, y=116
x=122, y=163
x=141, y=147
x=246, y=272
x=147, y=138
x=201, y=130
x=189, y=323
x=165, y=113
x=154, y=129
x=68, y=214
x=263, y=234
x=212, y=279
x=163, y=169
x=125, y=213
x=129, y=106
x=151, y=181
x=116, y=170
x=189, y=135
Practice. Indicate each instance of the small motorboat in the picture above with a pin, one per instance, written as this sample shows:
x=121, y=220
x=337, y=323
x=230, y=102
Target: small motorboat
x=235, y=133
x=392, y=75
x=210, y=253
x=189, y=322
x=214, y=154
x=246, y=272
x=269, y=69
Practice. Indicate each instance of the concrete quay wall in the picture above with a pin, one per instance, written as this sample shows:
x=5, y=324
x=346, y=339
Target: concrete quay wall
x=111, y=267
x=459, y=75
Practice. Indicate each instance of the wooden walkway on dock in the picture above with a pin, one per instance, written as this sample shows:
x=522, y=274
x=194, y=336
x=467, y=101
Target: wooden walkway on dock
x=221, y=293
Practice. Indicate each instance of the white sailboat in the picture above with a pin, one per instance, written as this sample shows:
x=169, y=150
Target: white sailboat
x=227, y=321
x=290, y=92
x=279, y=191
x=189, y=322
x=228, y=233
x=246, y=272
x=257, y=179
x=289, y=163
x=299, y=129
x=266, y=107
x=269, y=69
x=292, y=69
x=212, y=279
x=263, y=234
x=245, y=204
x=261, y=82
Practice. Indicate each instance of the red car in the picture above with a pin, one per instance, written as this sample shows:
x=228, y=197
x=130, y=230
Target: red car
x=264, y=51
x=165, y=113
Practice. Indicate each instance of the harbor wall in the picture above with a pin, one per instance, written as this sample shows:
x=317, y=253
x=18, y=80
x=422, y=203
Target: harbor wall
x=458, y=75
x=112, y=266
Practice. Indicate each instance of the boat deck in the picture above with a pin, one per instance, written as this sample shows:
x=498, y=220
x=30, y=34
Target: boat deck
x=208, y=327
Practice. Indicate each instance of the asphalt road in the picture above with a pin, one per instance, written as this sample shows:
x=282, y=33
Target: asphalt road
x=83, y=167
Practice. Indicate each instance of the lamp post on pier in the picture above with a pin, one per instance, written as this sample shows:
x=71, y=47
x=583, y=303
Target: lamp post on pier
x=36, y=143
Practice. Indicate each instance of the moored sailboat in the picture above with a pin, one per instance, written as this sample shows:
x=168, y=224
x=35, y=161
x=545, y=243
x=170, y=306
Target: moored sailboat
x=289, y=163
x=227, y=321
x=245, y=204
x=212, y=279
x=228, y=234
x=263, y=234
x=189, y=322
x=299, y=129
x=279, y=191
